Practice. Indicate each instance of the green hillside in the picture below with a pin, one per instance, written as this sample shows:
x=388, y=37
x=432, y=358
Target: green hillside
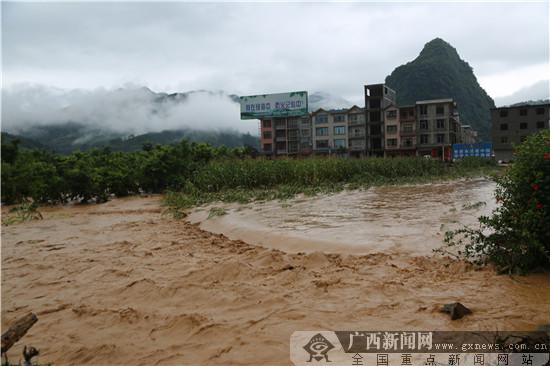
x=24, y=143
x=69, y=137
x=439, y=72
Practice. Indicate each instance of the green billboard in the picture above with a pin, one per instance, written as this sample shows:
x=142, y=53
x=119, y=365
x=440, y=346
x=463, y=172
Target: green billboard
x=274, y=105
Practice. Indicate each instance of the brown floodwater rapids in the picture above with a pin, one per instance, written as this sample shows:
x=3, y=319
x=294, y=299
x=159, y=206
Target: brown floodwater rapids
x=409, y=219
x=123, y=283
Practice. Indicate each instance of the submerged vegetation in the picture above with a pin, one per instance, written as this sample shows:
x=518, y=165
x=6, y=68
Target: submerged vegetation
x=245, y=180
x=26, y=211
x=516, y=237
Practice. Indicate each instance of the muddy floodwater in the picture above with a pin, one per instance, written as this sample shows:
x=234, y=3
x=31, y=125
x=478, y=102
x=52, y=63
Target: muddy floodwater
x=393, y=219
x=122, y=283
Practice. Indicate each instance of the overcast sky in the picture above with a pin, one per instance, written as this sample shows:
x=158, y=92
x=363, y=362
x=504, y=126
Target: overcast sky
x=251, y=48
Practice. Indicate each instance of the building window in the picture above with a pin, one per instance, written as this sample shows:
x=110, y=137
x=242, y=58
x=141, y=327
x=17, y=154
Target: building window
x=321, y=131
x=321, y=118
x=280, y=133
x=339, y=117
x=423, y=109
x=391, y=142
x=523, y=138
x=281, y=123
x=357, y=132
x=340, y=130
x=523, y=112
x=266, y=124
x=339, y=143
x=504, y=139
x=504, y=113
x=305, y=132
x=292, y=147
x=423, y=124
x=440, y=138
x=440, y=123
x=424, y=139
x=375, y=130
x=523, y=126
x=439, y=109
x=267, y=135
x=391, y=114
x=353, y=117
x=268, y=147
x=407, y=127
x=504, y=126
x=391, y=129
x=293, y=123
x=540, y=110
x=540, y=124
x=321, y=144
x=408, y=142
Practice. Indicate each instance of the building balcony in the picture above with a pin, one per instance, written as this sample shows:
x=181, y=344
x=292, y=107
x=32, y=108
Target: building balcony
x=280, y=127
x=408, y=146
x=357, y=136
x=356, y=123
x=280, y=139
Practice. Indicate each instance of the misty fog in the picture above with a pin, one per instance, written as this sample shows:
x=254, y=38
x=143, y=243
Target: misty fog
x=128, y=110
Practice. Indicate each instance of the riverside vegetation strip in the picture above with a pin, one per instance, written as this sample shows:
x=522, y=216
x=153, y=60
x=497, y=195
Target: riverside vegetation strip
x=203, y=173
x=245, y=180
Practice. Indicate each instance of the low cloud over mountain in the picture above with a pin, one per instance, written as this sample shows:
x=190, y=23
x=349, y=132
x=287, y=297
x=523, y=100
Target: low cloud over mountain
x=128, y=110
x=538, y=91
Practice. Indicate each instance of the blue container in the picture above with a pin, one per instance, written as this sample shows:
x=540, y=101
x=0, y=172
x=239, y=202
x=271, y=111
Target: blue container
x=480, y=149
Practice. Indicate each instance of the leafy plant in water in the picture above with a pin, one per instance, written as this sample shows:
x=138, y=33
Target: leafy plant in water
x=216, y=211
x=26, y=211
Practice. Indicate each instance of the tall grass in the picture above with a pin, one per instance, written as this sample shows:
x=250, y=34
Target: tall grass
x=242, y=180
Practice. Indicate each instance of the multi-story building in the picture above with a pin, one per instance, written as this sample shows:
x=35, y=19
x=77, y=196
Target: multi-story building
x=437, y=127
x=400, y=131
x=330, y=130
x=286, y=136
x=392, y=137
x=512, y=125
x=377, y=98
x=407, y=130
x=429, y=127
x=357, y=131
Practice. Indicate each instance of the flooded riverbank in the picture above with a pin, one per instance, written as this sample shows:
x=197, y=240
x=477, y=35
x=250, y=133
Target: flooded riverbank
x=121, y=283
x=410, y=219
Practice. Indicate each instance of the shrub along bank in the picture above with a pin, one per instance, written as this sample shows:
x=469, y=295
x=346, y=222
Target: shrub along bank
x=516, y=237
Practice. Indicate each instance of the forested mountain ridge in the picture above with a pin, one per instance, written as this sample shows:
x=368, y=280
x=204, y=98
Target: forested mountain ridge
x=439, y=72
